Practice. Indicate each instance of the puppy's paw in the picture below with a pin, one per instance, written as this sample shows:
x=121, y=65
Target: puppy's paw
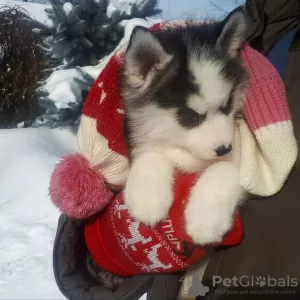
x=207, y=224
x=149, y=188
x=213, y=200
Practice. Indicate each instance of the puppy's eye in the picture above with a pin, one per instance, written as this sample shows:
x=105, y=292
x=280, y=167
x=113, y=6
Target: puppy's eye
x=226, y=110
x=189, y=118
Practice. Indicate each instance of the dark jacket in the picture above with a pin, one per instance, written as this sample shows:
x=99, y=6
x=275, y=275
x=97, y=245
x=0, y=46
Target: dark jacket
x=271, y=246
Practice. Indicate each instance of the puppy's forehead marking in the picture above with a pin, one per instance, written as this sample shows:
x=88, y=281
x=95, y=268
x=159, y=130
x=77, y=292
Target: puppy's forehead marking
x=214, y=89
x=196, y=102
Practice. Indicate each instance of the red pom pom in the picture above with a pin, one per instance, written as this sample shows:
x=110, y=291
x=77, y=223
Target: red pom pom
x=77, y=189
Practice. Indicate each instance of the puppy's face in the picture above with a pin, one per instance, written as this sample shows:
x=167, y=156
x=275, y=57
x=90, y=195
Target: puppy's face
x=183, y=87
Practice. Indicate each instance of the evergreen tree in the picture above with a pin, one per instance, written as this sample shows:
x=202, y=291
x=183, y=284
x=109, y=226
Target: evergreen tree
x=85, y=31
x=81, y=34
x=76, y=87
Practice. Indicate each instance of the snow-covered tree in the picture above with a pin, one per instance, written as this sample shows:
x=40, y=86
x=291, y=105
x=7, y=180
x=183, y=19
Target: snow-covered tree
x=78, y=43
x=85, y=31
x=61, y=98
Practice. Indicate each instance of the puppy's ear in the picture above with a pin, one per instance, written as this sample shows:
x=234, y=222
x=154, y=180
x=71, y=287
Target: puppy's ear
x=145, y=58
x=233, y=33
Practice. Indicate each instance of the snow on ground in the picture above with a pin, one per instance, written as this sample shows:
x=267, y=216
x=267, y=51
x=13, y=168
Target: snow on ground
x=27, y=217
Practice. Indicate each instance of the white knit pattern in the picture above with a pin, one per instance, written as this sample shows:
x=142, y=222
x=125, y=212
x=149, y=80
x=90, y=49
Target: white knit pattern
x=267, y=159
x=113, y=166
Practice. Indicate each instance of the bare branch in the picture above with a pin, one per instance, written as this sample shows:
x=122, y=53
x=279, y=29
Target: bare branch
x=217, y=7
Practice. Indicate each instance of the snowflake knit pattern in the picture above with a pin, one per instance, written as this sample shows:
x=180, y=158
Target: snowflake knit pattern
x=123, y=246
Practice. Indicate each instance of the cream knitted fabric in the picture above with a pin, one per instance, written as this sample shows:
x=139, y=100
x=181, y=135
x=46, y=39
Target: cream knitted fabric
x=94, y=146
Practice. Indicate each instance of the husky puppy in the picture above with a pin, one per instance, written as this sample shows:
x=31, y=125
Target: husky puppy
x=181, y=89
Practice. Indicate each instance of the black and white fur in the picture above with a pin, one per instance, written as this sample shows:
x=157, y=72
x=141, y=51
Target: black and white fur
x=182, y=88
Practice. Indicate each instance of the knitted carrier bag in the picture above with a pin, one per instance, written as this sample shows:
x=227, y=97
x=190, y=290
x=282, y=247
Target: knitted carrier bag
x=116, y=241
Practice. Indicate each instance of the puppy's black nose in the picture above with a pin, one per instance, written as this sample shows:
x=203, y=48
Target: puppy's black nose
x=223, y=150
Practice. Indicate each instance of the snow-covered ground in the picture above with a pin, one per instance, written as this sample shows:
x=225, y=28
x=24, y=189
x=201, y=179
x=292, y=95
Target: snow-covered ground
x=28, y=219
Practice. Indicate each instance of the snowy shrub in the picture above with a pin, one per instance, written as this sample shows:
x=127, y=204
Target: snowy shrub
x=21, y=66
x=62, y=97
